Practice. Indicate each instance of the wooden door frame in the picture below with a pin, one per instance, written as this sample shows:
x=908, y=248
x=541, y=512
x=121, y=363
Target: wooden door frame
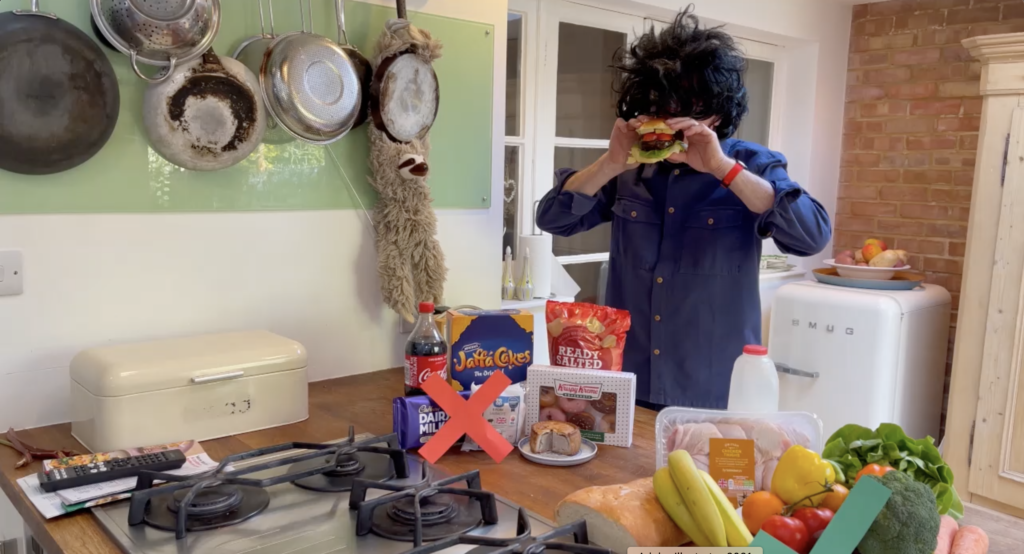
x=1002, y=58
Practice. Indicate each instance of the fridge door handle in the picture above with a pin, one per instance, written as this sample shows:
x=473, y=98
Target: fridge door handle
x=783, y=368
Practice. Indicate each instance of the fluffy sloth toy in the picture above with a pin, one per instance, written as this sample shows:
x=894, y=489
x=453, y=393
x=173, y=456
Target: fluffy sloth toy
x=410, y=262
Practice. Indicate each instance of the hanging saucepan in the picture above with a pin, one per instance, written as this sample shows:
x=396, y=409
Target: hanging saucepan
x=163, y=33
x=251, y=53
x=59, y=98
x=363, y=66
x=207, y=116
x=404, y=96
x=310, y=85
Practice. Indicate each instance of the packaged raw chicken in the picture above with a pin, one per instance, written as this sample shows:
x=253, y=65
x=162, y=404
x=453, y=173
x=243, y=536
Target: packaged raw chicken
x=759, y=440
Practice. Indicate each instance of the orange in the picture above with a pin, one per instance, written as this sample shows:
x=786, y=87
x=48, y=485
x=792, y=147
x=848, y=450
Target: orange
x=835, y=499
x=759, y=507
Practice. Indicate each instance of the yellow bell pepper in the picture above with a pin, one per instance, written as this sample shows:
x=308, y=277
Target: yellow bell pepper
x=800, y=474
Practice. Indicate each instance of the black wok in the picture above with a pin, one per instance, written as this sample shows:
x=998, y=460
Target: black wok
x=59, y=97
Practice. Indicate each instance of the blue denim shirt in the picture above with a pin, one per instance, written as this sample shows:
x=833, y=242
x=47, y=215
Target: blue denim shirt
x=684, y=260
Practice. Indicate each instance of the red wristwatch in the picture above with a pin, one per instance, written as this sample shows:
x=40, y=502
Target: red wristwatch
x=733, y=173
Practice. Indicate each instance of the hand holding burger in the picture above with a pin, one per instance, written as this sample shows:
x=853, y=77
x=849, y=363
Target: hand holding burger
x=657, y=141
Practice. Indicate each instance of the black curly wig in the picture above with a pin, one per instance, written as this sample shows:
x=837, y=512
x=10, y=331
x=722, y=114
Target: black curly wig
x=683, y=71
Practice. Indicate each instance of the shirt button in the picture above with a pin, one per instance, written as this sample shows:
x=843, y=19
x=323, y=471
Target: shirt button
x=632, y=214
x=676, y=172
x=660, y=280
x=657, y=352
x=657, y=318
x=671, y=210
x=711, y=221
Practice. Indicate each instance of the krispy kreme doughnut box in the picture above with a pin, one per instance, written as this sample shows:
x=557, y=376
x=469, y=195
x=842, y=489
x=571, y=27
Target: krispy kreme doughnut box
x=599, y=402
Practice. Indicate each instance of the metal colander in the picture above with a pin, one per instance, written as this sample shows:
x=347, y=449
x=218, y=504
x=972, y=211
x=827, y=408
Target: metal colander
x=161, y=33
x=311, y=86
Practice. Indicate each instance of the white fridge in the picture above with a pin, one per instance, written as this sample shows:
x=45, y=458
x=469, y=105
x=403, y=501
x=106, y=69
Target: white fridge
x=862, y=356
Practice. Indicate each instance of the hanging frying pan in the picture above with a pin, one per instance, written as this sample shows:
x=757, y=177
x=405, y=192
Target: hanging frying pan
x=404, y=95
x=59, y=97
x=310, y=85
x=362, y=65
x=207, y=115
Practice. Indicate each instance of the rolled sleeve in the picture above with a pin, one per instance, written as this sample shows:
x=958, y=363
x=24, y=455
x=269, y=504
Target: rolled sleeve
x=797, y=222
x=565, y=213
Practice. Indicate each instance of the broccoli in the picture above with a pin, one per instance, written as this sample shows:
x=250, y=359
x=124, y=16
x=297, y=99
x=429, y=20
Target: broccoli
x=909, y=521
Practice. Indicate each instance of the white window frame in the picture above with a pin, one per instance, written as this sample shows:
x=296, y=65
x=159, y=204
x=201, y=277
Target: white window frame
x=538, y=82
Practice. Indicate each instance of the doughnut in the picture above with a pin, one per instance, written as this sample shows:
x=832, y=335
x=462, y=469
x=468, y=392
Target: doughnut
x=607, y=404
x=571, y=405
x=607, y=424
x=552, y=414
x=584, y=421
x=547, y=397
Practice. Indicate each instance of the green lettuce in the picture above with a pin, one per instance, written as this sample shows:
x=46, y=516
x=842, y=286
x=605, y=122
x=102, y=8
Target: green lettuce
x=852, y=447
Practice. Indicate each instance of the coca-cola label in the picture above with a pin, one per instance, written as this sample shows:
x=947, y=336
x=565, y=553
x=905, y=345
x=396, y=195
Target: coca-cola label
x=419, y=368
x=577, y=390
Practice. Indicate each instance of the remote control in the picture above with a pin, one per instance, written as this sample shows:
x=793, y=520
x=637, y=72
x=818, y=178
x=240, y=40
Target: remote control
x=100, y=472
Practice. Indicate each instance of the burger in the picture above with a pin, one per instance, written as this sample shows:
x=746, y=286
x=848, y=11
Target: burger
x=657, y=142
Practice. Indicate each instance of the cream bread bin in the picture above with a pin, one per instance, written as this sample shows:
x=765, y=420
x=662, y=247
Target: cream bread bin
x=199, y=388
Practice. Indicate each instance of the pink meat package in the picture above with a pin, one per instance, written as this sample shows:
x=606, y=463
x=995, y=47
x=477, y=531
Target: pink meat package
x=692, y=430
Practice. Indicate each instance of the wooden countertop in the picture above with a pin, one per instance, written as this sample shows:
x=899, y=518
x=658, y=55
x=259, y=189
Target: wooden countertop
x=365, y=401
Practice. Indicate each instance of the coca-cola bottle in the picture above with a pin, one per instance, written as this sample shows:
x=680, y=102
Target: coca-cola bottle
x=426, y=352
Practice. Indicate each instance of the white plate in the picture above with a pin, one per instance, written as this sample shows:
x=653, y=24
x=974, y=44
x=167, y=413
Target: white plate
x=865, y=272
x=771, y=270
x=587, y=452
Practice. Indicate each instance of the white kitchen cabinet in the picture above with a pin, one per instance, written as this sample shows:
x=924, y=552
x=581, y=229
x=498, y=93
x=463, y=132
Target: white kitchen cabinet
x=985, y=421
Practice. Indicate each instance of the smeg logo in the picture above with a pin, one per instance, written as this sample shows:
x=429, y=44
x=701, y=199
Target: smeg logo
x=829, y=328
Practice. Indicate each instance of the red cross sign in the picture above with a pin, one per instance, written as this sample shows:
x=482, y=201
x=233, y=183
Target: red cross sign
x=465, y=417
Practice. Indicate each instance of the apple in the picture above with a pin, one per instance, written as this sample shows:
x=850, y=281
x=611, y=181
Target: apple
x=870, y=251
x=877, y=242
x=843, y=259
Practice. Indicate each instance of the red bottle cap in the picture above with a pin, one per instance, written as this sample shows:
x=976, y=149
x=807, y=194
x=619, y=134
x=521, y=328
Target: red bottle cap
x=426, y=307
x=755, y=350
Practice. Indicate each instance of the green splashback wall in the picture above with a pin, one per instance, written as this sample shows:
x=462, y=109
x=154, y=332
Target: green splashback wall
x=127, y=176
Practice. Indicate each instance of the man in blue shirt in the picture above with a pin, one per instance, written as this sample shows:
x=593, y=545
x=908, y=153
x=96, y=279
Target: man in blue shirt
x=686, y=232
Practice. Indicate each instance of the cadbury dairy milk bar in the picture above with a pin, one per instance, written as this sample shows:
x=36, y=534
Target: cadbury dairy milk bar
x=417, y=419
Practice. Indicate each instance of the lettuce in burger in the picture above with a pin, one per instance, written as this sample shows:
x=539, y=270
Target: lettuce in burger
x=657, y=142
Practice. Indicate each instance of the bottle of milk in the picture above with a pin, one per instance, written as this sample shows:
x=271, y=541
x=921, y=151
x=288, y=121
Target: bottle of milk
x=755, y=384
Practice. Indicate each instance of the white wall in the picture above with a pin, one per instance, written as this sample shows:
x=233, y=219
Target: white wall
x=311, y=276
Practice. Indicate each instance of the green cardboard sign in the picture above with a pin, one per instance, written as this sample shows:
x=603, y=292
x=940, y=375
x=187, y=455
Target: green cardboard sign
x=848, y=527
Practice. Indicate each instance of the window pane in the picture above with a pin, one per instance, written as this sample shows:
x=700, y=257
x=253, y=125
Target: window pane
x=592, y=279
x=596, y=240
x=510, y=223
x=759, y=79
x=585, y=106
x=513, y=71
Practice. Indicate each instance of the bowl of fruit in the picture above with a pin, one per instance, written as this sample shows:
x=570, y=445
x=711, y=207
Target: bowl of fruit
x=873, y=261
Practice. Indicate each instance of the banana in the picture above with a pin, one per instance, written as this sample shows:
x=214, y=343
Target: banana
x=735, y=530
x=672, y=502
x=695, y=495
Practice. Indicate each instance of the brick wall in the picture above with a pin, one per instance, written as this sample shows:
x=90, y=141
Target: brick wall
x=911, y=129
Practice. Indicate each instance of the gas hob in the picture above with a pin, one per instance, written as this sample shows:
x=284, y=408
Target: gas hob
x=360, y=495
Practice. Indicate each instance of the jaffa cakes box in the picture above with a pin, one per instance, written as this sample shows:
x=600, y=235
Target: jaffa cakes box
x=484, y=341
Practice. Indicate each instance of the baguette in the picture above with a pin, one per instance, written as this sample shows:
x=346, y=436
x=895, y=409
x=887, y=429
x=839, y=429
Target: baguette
x=622, y=516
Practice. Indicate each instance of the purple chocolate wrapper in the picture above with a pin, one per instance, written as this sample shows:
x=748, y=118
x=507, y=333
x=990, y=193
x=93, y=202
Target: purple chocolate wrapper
x=417, y=418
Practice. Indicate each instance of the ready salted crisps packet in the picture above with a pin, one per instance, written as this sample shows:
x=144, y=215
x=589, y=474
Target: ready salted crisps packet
x=586, y=336
x=487, y=341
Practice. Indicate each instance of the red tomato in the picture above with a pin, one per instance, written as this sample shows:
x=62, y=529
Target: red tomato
x=789, y=531
x=664, y=137
x=815, y=519
x=873, y=469
x=649, y=136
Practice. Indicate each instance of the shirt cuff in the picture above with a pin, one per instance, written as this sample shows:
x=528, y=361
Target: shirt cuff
x=785, y=194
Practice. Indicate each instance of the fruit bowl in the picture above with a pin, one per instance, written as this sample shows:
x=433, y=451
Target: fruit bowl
x=865, y=272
